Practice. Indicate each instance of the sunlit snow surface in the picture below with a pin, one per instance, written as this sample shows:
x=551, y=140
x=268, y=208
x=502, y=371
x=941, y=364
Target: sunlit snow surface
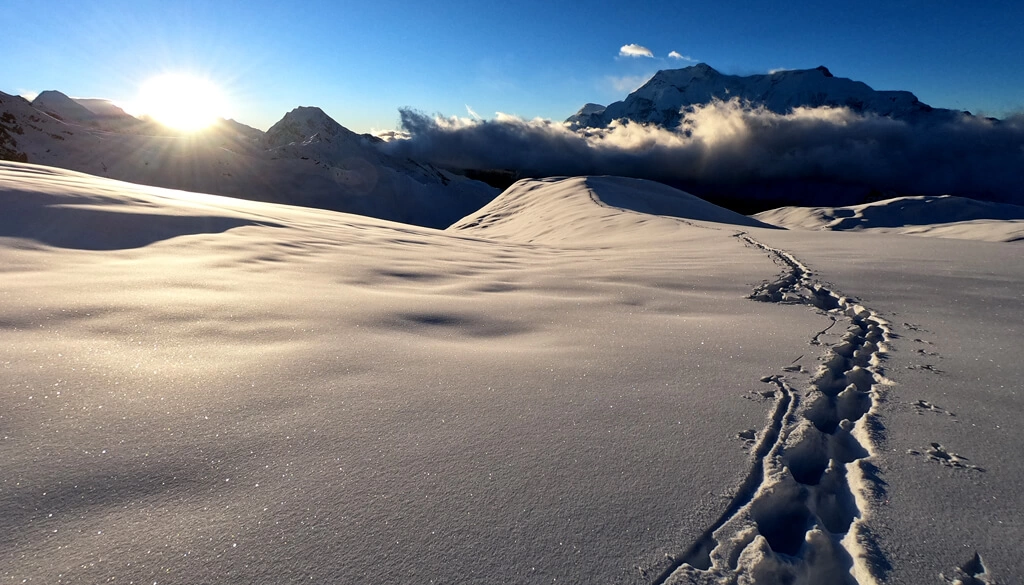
x=557, y=389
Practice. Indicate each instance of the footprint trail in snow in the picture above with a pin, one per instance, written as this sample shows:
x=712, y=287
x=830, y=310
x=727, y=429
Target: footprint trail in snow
x=800, y=515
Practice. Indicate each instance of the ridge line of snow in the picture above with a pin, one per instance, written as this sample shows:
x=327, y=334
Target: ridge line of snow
x=597, y=200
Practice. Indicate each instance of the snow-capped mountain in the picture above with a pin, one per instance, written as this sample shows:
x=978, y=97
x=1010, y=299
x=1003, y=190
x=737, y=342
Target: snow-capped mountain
x=415, y=192
x=660, y=100
x=305, y=159
x=589, y=116
x=306, y=125
x=63, y=107
x=93, y=112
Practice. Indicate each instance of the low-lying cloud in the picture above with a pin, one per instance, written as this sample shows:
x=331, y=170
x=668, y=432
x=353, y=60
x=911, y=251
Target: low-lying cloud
x=634, y=50
x=730, y=147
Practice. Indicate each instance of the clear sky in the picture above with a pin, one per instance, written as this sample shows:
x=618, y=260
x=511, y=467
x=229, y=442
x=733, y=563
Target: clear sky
x=361, y=61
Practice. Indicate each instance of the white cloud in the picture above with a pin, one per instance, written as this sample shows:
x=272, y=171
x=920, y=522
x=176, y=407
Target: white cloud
x=28, y=94
x=778, y=70
x=628, y=83
x=634, y=50
x=680, y=56
x=734, y=148
x=473, y=114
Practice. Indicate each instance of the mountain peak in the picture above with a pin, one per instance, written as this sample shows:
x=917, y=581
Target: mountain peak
x=51, y=94
x=703, y=68
x=62, y=107
x=662, y=100
x=305, y=124
x=676, y=76
x=585, y=116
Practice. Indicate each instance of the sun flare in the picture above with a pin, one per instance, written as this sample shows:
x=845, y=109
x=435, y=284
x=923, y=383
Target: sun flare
x=182, y=101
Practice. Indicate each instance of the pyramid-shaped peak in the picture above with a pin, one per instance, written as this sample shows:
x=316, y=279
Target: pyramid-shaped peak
x=51, y=94
x=310, y=117
x=61, y=106
x=53, y=98
x=303, y=124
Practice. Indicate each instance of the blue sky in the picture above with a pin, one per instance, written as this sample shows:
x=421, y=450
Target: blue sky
x=361, y=61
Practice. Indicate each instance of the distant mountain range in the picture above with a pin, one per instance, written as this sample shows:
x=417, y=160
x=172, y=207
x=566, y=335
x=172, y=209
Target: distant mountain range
x=306, y=159
x=309, y=159
x=661, y=100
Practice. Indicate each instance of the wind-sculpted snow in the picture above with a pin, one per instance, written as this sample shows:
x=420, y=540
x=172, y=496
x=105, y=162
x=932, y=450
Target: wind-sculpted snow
x=941, y=216
x=731, y=150
x=53, y=212
x=588, y=209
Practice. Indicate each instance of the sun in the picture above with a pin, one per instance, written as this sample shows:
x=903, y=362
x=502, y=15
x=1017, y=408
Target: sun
x=182, y=101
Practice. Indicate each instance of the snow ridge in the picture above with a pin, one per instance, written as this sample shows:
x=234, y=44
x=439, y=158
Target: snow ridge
x=800, y=515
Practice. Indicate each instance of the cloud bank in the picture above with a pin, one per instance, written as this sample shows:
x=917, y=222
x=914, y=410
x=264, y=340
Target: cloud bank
x=733, y=149
x=634, y=50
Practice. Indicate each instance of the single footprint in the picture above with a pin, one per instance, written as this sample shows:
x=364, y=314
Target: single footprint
x=973, y=572
x=937, y=453
x=760, y=395
x=923, y=405
x=926, y=367
x=748, y=436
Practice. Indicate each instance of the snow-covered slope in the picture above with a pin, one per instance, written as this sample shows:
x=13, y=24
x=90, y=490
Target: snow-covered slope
x=660, y=100
x=204, y=389
x=255, y=393
x=102, y=107
x=305, y=159
x=945, y=505
x=939, y=216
